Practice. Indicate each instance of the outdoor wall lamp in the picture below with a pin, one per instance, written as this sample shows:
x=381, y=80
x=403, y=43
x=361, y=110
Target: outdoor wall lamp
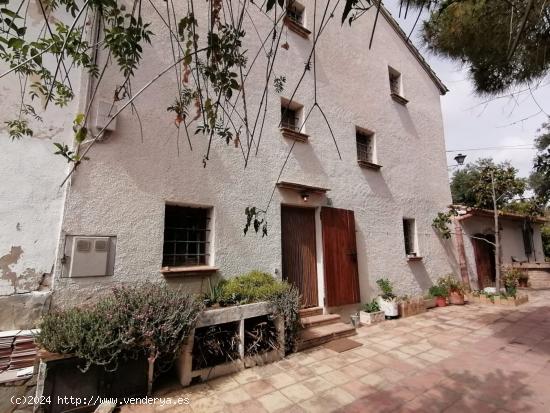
x=460, y=159
x=304, y=195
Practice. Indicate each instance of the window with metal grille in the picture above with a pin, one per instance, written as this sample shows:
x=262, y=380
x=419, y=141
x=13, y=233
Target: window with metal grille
x=395, y=81
x=295, y=12
x=409, y=233
x=186, y=236
x=365, y=143
x=290, y=118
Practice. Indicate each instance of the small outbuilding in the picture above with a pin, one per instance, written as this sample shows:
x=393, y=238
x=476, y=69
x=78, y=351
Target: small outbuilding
x=520, y=245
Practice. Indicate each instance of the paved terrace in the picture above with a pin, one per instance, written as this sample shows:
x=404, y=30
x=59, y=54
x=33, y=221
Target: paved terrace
x=474, y=358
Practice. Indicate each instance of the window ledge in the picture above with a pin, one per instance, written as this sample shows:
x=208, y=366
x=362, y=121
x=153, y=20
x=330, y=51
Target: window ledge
x=188, y=271
x=399, y=99
x=294, y=135
x=368, y=165
x=414, y=258
x=297, y=28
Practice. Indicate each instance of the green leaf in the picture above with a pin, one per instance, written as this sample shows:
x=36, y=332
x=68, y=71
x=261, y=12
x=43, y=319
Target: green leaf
x=81, y=134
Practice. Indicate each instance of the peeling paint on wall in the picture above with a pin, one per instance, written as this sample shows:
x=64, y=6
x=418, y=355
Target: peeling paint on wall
x=6, y=261
x=26, y=281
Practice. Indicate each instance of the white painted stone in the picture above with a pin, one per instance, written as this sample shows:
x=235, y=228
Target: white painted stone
x=123, y=189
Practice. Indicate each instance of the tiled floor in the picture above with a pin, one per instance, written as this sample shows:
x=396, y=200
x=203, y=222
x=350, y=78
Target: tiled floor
x=475, y=358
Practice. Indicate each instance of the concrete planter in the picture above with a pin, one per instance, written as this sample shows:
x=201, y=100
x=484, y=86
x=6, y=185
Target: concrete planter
x=371, y=318
x=411, y=307
x=237, y=314
x=60, y=378
x=497, y=300
x=456, y=298
x=429, y=302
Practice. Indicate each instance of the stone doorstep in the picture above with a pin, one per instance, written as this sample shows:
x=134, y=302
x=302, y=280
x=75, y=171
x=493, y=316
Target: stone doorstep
x=311, y=311
x=319, y=320
x=316, y=336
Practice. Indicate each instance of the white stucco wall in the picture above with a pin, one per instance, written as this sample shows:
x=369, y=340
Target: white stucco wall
x=122, y=190
x=511, y=238
x=31, y=199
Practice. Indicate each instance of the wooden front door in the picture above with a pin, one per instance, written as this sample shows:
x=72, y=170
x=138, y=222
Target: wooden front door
x=299, y=256
x=340, y=257
x=485, y=260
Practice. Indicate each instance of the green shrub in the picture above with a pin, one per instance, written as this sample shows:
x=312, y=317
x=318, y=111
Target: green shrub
x=438, y=291
x=371, y=307
x=386, y=287
x=510, y=278
x=148, y=319
x=252, y=287
x=450, y=283
x=257, y=286
x=286, y=303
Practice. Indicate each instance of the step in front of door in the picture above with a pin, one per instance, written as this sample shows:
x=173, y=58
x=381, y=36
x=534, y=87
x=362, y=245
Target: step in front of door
x=316, y=336
x=319, y=320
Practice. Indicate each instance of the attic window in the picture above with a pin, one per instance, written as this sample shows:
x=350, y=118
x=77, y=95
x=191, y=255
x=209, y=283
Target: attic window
x=295, y=18
x=295, y=12
x=291, y=121
x=365, y=149
x=396, y=86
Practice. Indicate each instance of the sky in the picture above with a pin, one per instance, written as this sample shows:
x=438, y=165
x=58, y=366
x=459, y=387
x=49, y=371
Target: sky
x=471, y=124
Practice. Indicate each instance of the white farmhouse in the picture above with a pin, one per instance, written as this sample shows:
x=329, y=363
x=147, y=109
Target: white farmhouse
x=342, y=213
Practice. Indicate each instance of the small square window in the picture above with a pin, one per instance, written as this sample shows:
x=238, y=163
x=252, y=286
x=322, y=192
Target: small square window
x=365, y=145
x=409, y=233
x=295, y=19
x=295, y=12
x=186, y=236
x=291, y=115
x=395, y=81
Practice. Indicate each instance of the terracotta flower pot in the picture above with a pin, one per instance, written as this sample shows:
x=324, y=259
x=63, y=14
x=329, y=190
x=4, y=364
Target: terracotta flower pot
x=456, y=298
x=440, y=301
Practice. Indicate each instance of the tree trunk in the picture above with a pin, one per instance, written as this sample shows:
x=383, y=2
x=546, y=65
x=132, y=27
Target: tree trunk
x=150, y=373
x=497, y=238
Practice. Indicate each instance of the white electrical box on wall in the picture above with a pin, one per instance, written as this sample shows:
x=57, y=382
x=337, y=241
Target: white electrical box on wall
x=90, y=257
x=105, y=112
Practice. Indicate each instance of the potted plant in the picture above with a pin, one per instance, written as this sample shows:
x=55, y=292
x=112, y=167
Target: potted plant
x=387, y=300
x=454, y=288
x=510, y=279
x=440, y=293
x=429, y=301
x=370, y=313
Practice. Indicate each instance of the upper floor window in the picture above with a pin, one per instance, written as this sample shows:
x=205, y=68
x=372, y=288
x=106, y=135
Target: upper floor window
x=396, y=86
x=290, y=118
x=365, y=148
x=409, y=234
x=291, y=121
x=295, y=18
x=186, y=236
x=295, y=12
